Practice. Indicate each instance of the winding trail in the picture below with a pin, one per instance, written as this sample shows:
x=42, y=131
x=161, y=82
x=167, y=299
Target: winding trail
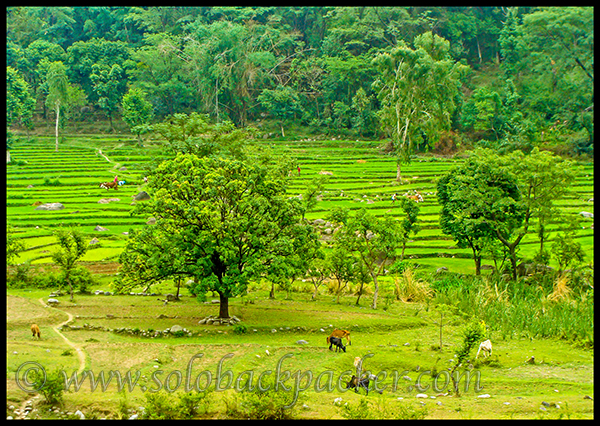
x=80, y=352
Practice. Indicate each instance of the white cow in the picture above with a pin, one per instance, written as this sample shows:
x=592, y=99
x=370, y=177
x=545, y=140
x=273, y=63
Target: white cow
x=486, y=346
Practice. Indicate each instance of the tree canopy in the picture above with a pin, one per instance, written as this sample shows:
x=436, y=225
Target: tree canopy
x=378, y=72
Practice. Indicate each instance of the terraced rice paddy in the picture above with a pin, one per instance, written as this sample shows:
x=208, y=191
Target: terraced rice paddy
x=359, y=175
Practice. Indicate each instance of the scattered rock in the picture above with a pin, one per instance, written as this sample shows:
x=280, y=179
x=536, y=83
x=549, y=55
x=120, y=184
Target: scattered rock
x=421, y=395
x=587, y=214
x=302, y=342
x=485, y=395
x=441, y=269
x=94, y=241
x=50, y=206
x=100, y=228
x=151, y=221
x=52, y=302
x=176, y=328
x=141, y=196
x=107, y=200
x=80, y=414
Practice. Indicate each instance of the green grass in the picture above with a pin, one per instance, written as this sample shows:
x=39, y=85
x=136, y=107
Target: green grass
x=562, y=373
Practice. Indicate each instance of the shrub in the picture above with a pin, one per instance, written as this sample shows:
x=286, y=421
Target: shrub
x=381, y=409
x=51, y=182
x=269, y=404
x=51, y=385
x=240, y=329
x=183, y=405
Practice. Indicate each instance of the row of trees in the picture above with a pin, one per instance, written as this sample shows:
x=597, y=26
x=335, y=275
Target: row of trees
x=415, y=74
x=224, y=219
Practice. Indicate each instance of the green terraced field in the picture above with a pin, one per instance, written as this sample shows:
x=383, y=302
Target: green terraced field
x=360, y=175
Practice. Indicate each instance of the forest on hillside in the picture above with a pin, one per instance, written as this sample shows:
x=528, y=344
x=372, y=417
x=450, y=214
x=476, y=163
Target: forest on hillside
x=434, y=78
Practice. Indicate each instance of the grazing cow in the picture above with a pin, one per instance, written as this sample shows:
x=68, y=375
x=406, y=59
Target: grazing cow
x=486, y=347
x=108, y=185
x=342, y=334
x=356, y=384
x=337, y=342
x=36, y=331
x=417, y=197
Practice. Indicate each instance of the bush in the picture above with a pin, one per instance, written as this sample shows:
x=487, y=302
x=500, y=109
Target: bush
x=240, y=329
x=183, y=405
x=380, y=409
x=264, y=405
x=51, y=182
x=52, y=388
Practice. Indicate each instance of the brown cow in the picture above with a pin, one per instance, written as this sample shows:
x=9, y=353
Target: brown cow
x=108, y=185
x=342, y=334
x=417, y=197
x=36, y=331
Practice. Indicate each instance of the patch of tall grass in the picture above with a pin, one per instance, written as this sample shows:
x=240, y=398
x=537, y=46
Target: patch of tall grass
x=544, y=306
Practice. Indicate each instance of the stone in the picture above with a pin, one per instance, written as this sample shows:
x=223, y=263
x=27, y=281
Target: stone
x=151, y=221
x=94, y=241
x=170, y=297
x=421, y=395
x=441, y=269
x=302, y=342
x=485, y=395
x=80, y=414
x=176, y=328
x=107, y=200
x=100, y=228
x=50, y=206
x=53, y=302
x=141, y=196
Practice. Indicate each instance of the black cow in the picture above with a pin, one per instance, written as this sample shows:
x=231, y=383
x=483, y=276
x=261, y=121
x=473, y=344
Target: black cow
x=356, y=384
x=337, y=342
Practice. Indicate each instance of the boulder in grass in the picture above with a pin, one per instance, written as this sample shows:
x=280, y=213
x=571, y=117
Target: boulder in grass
x=100, y=228
x=94, y=241
x=141, y=196
x=50, y=206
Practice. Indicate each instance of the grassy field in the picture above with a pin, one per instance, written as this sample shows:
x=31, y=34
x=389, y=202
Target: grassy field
x=399, y=340
x=399, y=344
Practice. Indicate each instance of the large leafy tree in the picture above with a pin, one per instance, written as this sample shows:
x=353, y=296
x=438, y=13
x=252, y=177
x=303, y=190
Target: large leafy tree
x=499, y=197
x=463, y=194
x=417, y=88
x=226, y=219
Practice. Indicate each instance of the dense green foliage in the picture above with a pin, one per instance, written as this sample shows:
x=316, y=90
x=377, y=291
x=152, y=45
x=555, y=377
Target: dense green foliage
x=335, y=69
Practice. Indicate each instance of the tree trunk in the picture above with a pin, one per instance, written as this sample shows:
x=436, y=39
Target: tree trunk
x=376, y=292
x=56, y=128
x=398, y=172
x=223, y=306
x=272, y=292
x=477, y=260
